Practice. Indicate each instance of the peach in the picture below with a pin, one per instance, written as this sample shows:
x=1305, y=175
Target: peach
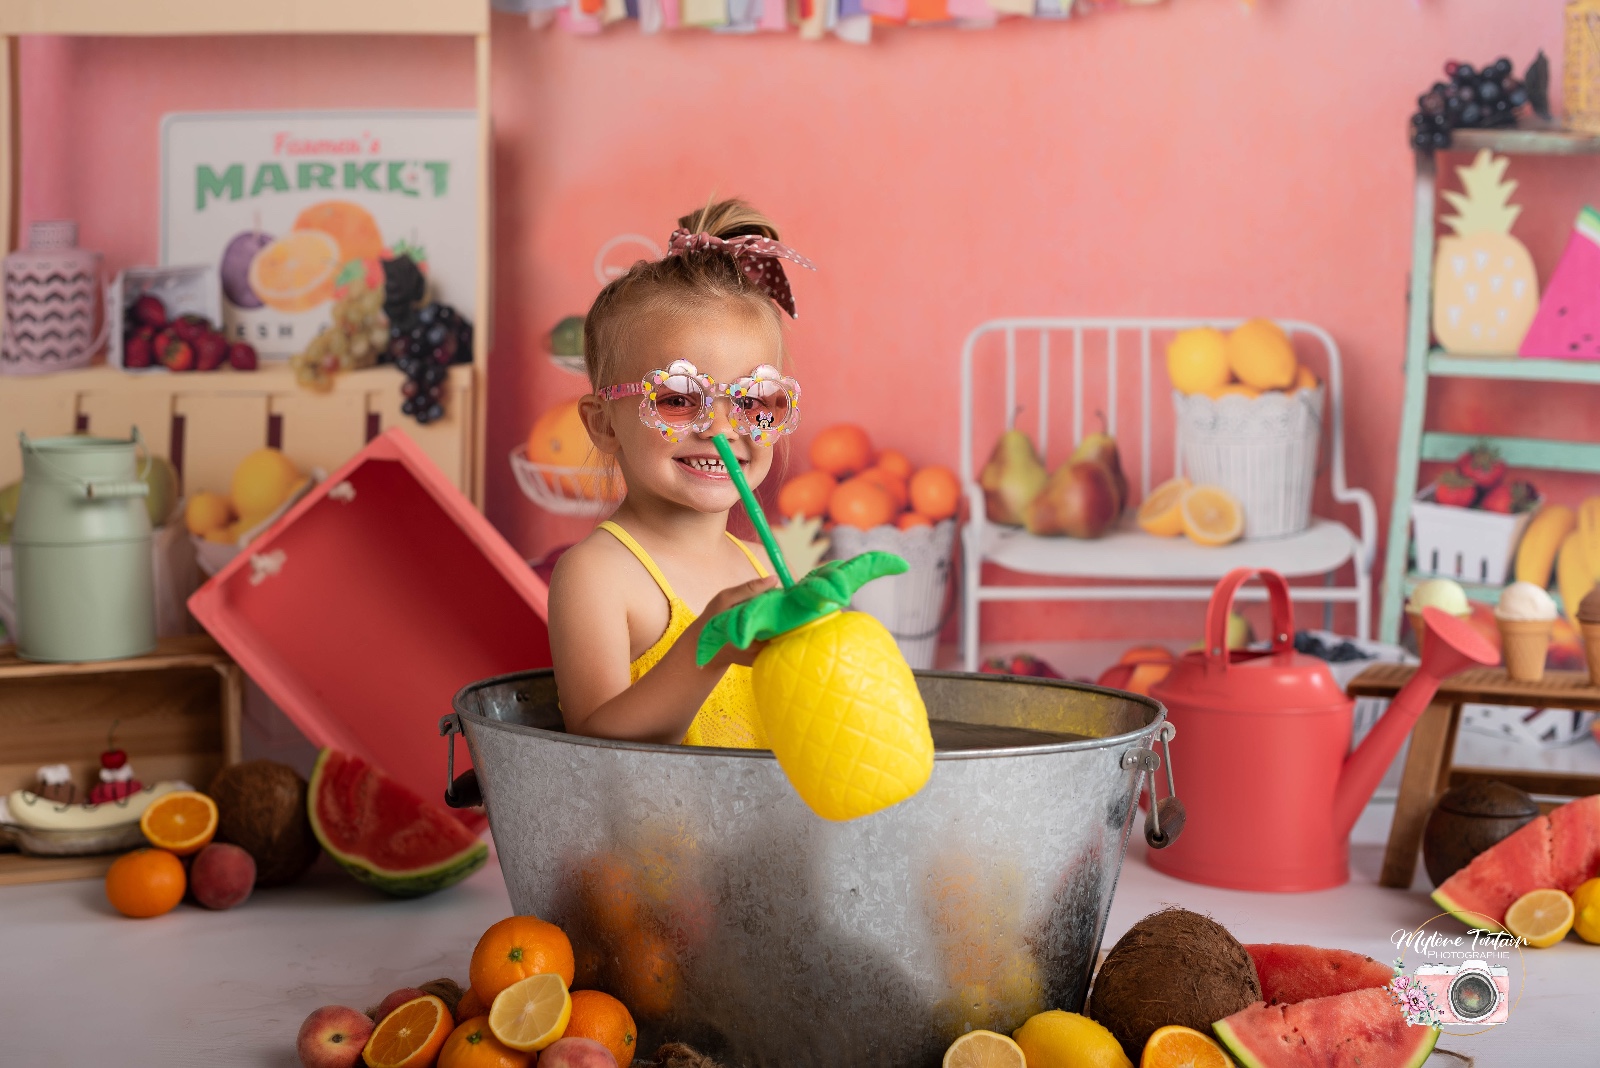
x=333, y=1037
x=222, y=876
x=576, y=1053
x=395, y=1000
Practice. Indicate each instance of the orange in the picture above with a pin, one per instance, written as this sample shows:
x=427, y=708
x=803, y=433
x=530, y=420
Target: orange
x=207, y=511
x=1147, y=654
x=1211, y=516
x=350, y=225
x=469, y=1006
x=181, y=822
x=648, y=975
x=1304, y=379
x=559, y=438
x=842, y=450
x=935, y=492
x=146, y=882
x=895, y=487
x=295, y=273
x=1174, y=1046
x=861, y=503
x=1146, y=674
x=908, y=520
x=531, y=1013
x=1159, y=513
x=603, y=1018
x=894, y=461
x=1233, y=389
x=410, y=1036
x=806, y=495
x=473, y=1045
x=514, y=949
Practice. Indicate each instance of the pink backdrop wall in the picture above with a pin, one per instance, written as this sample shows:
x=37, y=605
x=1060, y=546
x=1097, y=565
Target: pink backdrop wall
x=1186, y=159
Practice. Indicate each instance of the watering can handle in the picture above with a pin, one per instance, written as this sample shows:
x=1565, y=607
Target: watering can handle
x=1216, y=650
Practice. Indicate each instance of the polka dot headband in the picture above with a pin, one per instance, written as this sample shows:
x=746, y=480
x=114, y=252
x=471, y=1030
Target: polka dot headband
x=760, y=258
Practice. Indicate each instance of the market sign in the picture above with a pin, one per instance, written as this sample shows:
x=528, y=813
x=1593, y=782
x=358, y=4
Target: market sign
x=288, y=206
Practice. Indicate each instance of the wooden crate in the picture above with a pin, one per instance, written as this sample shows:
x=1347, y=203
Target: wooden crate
x=176, y=713
x=206, y=422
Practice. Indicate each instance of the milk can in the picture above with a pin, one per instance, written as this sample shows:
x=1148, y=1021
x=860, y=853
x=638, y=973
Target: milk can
x=81, y=550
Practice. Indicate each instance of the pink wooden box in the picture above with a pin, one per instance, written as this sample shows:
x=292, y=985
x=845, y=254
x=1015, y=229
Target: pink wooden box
x=372, y=601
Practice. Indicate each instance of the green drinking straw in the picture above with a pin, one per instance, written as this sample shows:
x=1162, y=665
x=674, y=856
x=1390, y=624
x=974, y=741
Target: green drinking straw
x=752, y=506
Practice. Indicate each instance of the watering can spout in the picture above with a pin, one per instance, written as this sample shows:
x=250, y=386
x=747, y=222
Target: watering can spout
x=1452, y=645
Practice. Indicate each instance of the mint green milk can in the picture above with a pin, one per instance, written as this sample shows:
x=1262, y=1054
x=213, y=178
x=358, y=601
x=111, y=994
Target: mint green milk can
x=81, y=551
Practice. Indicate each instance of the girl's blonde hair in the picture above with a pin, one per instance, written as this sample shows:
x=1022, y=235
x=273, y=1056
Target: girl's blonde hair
x=692, y=279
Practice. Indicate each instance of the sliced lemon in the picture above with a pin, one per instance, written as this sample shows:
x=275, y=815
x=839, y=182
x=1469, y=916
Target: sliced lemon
x=1586, y=902
x=1159, y=513
x=1211, y=516
x=1541, y=918
x=531, y=1013
x=296, y=273
x=984, y=1049
x=1176, y=1046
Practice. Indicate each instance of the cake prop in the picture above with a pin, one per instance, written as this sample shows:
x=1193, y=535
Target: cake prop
x=839, y=703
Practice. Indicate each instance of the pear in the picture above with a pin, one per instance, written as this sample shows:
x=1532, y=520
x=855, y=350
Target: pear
x=1101, y=448
x=1080, y=501
x=1012, y=478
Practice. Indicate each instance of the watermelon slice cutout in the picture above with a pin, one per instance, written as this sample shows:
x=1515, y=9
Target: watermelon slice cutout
x=1567, y=325
x=384, y=834
x=1290, y=973
x=1361, y=1029
x=1560, y=850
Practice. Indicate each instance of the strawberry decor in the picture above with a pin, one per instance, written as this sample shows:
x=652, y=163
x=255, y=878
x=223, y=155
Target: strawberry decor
x=1483, y=465
x=1455, y=489
x=1518, y=495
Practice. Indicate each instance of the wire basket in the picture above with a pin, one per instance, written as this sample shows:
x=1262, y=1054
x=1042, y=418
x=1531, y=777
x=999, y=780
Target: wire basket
x=1262, y=450
x=555, y=489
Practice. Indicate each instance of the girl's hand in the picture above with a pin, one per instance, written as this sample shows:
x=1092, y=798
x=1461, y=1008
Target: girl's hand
x=723, y=601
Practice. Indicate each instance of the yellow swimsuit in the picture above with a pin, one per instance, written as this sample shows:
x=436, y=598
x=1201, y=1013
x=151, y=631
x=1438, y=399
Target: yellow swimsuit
x=728, y=716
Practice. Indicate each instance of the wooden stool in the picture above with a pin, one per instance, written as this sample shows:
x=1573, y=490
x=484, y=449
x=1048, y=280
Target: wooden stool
x=1428, y=770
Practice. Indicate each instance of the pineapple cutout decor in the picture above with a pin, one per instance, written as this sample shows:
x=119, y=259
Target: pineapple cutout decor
x=839, y=703
x=1485, y=291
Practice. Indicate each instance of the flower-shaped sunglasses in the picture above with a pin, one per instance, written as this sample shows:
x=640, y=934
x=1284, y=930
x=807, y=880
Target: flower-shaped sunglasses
x=679, y=401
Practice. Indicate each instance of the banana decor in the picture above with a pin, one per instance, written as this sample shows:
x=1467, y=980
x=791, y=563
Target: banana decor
x=839, y=703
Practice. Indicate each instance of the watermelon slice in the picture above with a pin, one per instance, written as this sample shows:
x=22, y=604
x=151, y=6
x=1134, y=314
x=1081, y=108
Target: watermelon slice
x=1560, y=850
x=1567, y=325
x=384, y=834
x=1363, y=1028
x=1300, y=973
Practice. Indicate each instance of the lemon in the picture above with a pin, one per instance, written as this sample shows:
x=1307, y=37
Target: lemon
x=207, y=511
x=984, y=1049
x=1304, y=379
x=1059, y=1039
x=262, y=481
x=1261, y=356
x=1586, y=905
x=531, y=1013
x=1234, y=389
x=1211, y=516
x=1197, y=360
x=1540, y=918
x=1159, y=513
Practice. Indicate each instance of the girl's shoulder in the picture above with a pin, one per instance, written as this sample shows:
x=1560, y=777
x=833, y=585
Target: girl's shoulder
x=594, y=561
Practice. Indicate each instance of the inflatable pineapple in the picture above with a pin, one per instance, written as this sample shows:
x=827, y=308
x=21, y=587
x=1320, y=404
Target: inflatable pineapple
x=838, y=701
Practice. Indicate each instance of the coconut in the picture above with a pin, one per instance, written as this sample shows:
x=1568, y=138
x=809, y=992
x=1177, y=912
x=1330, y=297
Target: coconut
x=1172, y=967
x=261, y=807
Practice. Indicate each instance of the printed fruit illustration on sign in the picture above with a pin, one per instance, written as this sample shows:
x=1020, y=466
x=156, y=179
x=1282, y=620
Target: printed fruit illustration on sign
x=385, y=835
x=1485, y=289
x=235, y=267
x=296, y=272
x=351, y=226
x=1567, y=326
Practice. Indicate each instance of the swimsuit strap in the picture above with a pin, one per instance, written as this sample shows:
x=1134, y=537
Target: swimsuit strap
x=643, y=557
x=761, y=572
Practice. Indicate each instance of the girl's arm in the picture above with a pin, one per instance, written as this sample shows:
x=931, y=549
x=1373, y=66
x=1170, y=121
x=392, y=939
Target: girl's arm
x=589, y=643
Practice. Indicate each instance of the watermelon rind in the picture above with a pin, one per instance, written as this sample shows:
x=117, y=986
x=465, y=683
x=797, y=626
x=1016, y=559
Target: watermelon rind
x=1261, y=1035
x=409, y=882
x=1470, y=917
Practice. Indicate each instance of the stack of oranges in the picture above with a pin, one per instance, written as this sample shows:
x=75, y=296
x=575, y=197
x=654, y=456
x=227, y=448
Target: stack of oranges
x=853, y=484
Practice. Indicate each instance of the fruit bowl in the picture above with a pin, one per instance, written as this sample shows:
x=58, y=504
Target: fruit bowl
x=555, y=489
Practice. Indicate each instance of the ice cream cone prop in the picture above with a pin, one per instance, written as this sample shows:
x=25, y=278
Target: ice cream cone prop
x=1444, y=594
x=1524, y=644
x=1591, y=650
x=840, y=706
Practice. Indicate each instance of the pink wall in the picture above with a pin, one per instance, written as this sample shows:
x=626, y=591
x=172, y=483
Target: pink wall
x=1187, y=159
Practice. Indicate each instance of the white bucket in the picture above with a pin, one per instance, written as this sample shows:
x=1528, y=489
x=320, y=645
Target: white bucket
x=1263, y=450
x=910, y=605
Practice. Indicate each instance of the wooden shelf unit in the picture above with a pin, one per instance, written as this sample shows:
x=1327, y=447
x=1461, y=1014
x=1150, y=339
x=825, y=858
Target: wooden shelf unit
x=179, y=18
x=177, y=714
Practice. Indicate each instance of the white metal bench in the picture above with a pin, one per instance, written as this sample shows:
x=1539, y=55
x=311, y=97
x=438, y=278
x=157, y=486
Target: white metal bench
x=1083, y=366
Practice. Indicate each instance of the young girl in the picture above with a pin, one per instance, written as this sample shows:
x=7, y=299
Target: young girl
x=678, y=350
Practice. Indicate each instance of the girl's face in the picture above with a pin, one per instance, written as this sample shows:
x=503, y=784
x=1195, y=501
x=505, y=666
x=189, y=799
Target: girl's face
x=725, y=341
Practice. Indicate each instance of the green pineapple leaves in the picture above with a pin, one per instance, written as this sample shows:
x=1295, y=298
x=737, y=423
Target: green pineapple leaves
x=825, y=590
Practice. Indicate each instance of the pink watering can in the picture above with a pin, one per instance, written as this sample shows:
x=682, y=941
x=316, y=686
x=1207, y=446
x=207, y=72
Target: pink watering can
x=1263, y=749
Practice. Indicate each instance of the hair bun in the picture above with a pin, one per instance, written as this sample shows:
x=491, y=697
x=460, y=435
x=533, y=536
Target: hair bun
x=729, y=218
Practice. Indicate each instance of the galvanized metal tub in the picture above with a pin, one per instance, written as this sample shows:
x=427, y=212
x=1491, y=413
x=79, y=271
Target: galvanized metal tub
x=699, y=888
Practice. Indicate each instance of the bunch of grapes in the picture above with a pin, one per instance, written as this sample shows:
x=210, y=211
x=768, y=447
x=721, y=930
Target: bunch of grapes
x=1479, y=99
x=357, y=338
x=423, y=347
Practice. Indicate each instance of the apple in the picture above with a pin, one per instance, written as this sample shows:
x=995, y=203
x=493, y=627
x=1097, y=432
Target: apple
x=576, y=1053
x=241, y=356
x=395, y=1000
x=1080, y=501
x=333, y=1037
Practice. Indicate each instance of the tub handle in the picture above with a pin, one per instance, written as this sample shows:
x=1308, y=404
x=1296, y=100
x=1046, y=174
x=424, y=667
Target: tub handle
x=1167, y=815
x=460, y=791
